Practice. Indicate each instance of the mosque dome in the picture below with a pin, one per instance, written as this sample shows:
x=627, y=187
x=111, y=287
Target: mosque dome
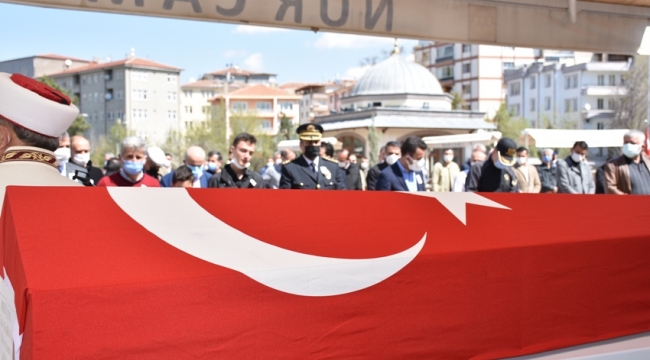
x=396, y=75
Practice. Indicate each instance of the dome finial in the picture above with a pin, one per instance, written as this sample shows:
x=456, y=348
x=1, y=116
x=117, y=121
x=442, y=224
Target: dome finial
x=396, y=49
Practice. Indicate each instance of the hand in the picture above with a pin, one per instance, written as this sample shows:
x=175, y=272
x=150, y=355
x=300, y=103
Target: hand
x=555, y=190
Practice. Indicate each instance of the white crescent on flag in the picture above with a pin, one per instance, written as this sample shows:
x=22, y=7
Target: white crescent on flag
x=173, y=216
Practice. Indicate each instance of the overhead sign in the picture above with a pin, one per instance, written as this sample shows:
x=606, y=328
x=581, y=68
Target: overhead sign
x=551, y=24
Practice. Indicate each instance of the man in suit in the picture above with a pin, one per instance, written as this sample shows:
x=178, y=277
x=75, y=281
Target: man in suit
x=527, y=176
x=629, y=174
x=195, y=160
x=311, y=171
x=352, y=171
x=80, y=156
x=392, y=154
x=574, y=173
x=496, y=173
x=407, y=173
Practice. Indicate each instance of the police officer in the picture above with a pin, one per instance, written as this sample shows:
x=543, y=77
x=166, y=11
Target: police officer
x=311, y=171
x=496, y=173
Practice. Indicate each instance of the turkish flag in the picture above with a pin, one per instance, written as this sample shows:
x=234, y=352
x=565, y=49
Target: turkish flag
x=647, y=140
x=175, y=273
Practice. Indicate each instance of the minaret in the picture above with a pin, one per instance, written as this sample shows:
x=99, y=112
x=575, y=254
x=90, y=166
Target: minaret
x=396, y=49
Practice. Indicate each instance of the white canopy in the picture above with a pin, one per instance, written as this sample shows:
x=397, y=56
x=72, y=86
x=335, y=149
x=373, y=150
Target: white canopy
x=611, y=26
x=463, y=140
x=295, y=144
x=546, y=138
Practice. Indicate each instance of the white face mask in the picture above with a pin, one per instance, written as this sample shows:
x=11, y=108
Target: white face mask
x=576, y=157
x=342, y=165
x=62, y=155
x=631, y=150
x=499, y=165
x=278, y=161
x=236, y=164
x=270, y=163
x=392, y=159
x=417, y=165
x=448, y=158
x=81, y=159
x=522, y=160
x=365, y=165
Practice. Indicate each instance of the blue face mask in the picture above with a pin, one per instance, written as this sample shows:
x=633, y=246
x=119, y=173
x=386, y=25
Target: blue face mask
x=212, y=166
x=547, y=159
x=196, y=170
x=133, y=167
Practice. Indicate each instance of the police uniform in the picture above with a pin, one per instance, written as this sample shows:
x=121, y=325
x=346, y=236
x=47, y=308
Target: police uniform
x=487, y=177
x=33, y=106
x=318, y=174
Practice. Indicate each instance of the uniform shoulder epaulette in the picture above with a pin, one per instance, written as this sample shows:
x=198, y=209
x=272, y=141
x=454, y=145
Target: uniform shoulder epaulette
x=286, y=162
x=330, y=159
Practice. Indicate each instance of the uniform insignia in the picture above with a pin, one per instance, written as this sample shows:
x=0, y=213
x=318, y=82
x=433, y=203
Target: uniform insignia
x=29, y=155
x=286, y=162
x=326, y=172
x=514, y=182
x=507, y=177
x=330, y=159
x=311, y=128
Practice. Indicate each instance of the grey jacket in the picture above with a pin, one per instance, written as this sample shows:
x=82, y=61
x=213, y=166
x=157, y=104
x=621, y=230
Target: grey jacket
x=574, y=178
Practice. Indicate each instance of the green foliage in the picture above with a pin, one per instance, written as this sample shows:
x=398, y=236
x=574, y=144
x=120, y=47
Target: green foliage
x=509, y=127
x=80, y=125
x=110, y=143
x=458, y=101
x=287, y=130
x=373, y=144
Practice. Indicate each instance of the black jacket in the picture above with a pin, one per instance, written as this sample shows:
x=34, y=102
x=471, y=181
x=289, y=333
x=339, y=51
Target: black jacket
x=298, y=175
x=95, y=174
x=353, y=177
x=373, y=175
x=228, y=179
x=486, y=177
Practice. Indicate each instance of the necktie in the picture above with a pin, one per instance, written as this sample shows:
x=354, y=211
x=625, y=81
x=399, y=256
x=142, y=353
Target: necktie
x=313, y=168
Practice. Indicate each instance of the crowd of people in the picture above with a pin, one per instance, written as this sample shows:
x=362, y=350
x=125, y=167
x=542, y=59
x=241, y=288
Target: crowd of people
x=402, y=167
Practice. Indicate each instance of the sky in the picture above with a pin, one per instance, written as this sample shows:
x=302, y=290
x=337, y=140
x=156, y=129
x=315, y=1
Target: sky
x=195, y=46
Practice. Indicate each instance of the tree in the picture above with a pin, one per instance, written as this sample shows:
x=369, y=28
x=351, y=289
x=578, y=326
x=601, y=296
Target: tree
x=80, y=125
x=458, y=101
x=509, y=127
x=110, y=143
x=373, y=144
x=632, y=104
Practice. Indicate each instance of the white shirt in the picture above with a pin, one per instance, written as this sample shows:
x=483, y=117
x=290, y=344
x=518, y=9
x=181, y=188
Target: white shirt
x=309, y=162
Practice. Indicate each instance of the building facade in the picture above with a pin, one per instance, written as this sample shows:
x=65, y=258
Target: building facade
x=475, y=72
x=555, y=95
x=41, y=65
x=142, y=94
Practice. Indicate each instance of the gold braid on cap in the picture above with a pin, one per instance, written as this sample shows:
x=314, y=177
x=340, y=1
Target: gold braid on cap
x=33, y=155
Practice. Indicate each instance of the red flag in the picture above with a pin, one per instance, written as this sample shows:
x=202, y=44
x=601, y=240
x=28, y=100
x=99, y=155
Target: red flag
x=647, y=140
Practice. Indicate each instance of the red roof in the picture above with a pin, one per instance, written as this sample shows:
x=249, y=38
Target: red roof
x=260, y=91
x=134, y=62
x=236, y=71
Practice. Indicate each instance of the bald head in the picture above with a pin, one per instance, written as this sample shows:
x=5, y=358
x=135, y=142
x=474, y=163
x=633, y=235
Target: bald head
x=195, y=156
x=79, y=145
x=478, y=155
x=343, y=155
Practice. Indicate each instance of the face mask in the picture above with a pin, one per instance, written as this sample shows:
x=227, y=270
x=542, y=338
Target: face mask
x=236, y=164
x=270, y=163
x=365, y=165
x=416, y=165
x=342, y=165
x=522, y=160
x=547, y=159
x=62, y=155
x=312, y=151
x=392, y=159
x=81, y=159
x=631, y=150
x=196, y=170
x=499, y=165
x=448, y=158
x=278, y=161
x=212, y=166
x=576, y=157
x=133, y=167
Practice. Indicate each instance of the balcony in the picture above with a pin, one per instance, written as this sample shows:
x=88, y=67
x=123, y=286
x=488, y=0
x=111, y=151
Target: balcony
x=595, y=90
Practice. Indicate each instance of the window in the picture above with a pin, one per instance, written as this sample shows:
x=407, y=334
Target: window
x=515, y=88
x=467, y=89
x=446, y=52
x=622, y=79
x=467, y=68
x=108, y=75
x=263, y=106
x=575, y=81
x=425, y=105
x=205, y=109
x=600, y=126
x=600, y=104
x=532, y=104
x=188, y=109
x=119, y=95
x=547, y=103
x=172, y=79
x=547, y=80
x=96, y=78
x=445, y=72
x=140, y=95
x=533, y=83
x=601, y=80
x=139, y=76
x=567, y=105
x=515, y=110
x=508, y=65
x=171, y=96
x=139, y=115
x=286, y=105
x=239, y=106
x=467, y=48
x=612, y=80
x=188, y=94
x=611, y=104
x=207, y=94
x=266, y=125
x=171, y=115
x=567, y=82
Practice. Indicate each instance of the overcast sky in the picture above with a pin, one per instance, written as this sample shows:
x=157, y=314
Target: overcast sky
x=197, y=47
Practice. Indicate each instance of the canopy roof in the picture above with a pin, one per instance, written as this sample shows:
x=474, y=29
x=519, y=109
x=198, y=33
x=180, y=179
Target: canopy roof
x=463, y=140
x=557, y=139
x=613, y=26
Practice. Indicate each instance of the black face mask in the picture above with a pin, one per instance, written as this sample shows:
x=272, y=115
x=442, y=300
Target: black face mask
x=312, y=151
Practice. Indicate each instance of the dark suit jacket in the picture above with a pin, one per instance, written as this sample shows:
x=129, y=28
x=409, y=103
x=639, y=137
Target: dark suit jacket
x=353, y=177
x=391, y=179
x=617, y=175
x=226, y=179
x=95, y=174
x=167, y=180
x=298, y=175
x=373, y=175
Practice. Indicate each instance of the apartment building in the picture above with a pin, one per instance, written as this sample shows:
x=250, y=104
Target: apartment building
x=322, y=99
x=140, y=93
x=196, y=99
x=267, y=104
x=473, y=71
x=233, y=74
x=41, y=65
x=582, y=96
